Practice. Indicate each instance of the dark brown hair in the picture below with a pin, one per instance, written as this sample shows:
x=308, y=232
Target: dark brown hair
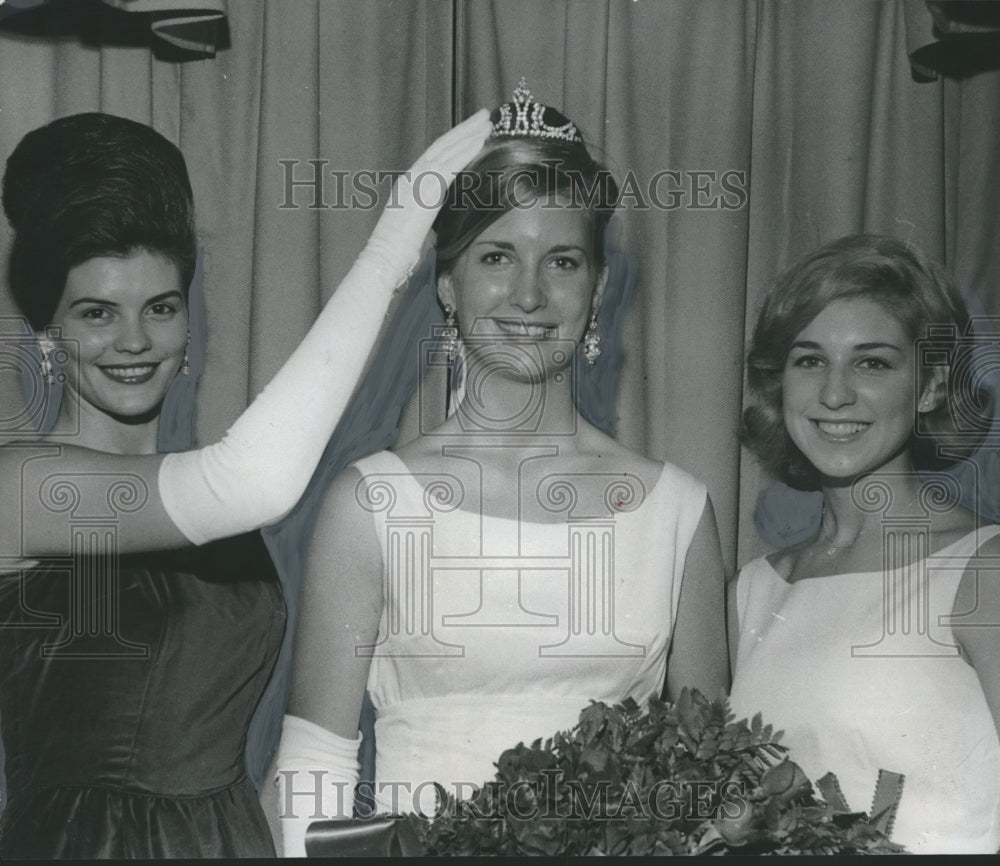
x=93, y=185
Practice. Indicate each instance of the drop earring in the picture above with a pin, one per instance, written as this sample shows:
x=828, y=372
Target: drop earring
x=449, y=335
x=185, y=365
x=46, y=363
x=592, y=341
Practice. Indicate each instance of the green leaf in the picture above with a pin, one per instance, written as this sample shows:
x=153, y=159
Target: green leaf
x=613, y=759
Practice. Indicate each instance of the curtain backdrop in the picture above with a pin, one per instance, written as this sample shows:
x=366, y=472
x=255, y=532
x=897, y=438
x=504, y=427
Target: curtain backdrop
x=812, y=103
x=746, y=134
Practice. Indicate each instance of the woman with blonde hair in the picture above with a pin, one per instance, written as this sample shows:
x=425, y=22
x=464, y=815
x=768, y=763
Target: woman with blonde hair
x=874, y=643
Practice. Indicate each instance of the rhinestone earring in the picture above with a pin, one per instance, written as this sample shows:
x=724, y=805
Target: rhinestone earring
x=449, y=335
x=46, y=364
x=185, y=365
x=592, y=341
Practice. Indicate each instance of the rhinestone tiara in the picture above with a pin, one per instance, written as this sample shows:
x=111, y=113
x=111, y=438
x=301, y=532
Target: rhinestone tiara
x=524, y=117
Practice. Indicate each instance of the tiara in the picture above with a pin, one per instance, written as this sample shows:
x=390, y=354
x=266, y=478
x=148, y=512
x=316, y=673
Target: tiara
x=525, y=117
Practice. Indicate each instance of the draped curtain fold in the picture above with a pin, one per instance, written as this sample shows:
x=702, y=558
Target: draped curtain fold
x=749, y=132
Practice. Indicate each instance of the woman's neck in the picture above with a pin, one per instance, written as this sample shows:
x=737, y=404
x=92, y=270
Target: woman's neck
x=497, y=403
x=80, y=423
x=856, y=508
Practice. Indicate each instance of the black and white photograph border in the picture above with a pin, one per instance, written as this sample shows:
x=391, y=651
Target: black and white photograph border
x=575, y=393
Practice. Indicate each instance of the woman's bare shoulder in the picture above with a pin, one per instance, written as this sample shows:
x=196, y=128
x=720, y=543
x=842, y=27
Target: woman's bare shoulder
x=605, y=454
x=977, y=605
x=344, y=487
x=16, y=451
x=987, y=555
x=952, y=526
x=421, y=450
x=15, y=459
x=343, y=522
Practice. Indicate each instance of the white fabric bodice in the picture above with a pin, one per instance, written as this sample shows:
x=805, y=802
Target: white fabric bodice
x=862, y=672
x=496, y=631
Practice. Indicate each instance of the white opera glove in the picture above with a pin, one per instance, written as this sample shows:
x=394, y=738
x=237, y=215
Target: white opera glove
x=418, y=193
x=316, y=772
x=260, y=469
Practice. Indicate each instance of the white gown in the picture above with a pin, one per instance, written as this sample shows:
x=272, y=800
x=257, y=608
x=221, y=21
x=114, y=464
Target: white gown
x=497, y=631
x=860, y=684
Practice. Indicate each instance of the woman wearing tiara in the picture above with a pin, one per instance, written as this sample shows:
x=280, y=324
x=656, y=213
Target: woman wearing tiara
x=131, y=661
x=491, y=577
x=874, y=645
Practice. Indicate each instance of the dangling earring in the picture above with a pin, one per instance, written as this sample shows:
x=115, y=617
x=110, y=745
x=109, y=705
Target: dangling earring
x=46, y=365
x=456, y=381
x=592, y=341
x=449, y=335
x=185, y=366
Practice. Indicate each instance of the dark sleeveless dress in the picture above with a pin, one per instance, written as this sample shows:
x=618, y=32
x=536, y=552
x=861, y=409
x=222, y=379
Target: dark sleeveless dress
x=124, y=711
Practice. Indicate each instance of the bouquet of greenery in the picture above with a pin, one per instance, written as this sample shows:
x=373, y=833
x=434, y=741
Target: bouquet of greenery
x=682, y=778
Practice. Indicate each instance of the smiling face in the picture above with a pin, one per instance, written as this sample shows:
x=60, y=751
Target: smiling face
x=530, y=275
x=848, y=391
x=125, y=324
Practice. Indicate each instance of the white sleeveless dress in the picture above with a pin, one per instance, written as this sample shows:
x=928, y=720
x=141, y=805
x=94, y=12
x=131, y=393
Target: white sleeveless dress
x=496, y=631
x=862, y=673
